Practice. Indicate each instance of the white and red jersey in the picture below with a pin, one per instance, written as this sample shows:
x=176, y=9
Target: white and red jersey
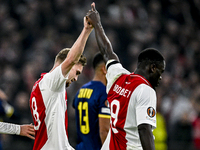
x=132, y=102
x=48, y=103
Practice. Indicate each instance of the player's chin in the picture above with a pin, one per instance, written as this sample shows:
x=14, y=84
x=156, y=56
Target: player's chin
x=155, y=84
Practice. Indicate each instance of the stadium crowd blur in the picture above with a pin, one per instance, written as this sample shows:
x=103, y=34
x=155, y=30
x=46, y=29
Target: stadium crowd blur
x=32, y=32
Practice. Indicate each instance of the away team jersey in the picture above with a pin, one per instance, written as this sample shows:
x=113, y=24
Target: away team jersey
x=132, y=102
x=90, y=103
x=48, y=105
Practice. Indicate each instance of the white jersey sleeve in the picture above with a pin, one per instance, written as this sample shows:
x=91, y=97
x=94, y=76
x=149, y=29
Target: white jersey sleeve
x=145, y=97
x=54, y=80
x=113, y=72
x=9, y=128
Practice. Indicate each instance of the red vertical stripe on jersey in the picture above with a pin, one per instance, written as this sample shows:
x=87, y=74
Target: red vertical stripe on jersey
x=40, y=135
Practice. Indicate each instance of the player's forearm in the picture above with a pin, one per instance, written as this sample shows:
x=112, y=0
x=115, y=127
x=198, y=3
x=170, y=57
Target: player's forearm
x=78, y=47
x=104, y=125
x=75, y=51
x=103, y=136
x=8, y=128
x=104, y=44
x=146, y=137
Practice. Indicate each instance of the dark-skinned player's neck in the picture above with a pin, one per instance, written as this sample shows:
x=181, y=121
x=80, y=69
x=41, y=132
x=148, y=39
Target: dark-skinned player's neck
x=142, y=72
x=145, y=74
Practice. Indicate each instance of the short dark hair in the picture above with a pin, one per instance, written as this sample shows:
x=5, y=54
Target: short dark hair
x=60, y=57
x=150, y=55
x=98, y=58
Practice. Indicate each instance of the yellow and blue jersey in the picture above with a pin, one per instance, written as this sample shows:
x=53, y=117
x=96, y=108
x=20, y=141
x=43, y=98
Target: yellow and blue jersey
x=90, y=103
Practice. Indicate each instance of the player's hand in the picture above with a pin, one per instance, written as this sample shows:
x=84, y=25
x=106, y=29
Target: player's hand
x=93, y=16
x=87, y=25
x=27, y=130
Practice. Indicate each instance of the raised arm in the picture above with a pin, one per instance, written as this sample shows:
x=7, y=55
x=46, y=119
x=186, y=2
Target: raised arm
x=103, y=42
x=77, y=48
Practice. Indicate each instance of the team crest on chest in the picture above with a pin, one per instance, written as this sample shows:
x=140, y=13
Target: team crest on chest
x=151, y=112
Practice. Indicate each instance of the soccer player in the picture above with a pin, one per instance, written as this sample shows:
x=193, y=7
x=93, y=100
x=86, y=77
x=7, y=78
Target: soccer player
x=48, y=101
x=131, y=96
x=23, y=130
x=92, y=111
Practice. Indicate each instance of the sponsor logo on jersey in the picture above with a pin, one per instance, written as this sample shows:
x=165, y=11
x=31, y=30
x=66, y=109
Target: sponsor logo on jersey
x=151, y=112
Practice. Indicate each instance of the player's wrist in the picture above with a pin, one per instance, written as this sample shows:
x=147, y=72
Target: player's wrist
x=97, y=25
x=18, y=130
x=87, y=30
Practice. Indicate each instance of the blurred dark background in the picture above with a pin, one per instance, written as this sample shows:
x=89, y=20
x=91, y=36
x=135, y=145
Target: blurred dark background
x=32, y=32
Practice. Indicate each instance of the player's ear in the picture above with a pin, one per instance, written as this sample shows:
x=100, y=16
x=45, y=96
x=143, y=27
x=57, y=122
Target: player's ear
x=152, y=68
x=103, y=68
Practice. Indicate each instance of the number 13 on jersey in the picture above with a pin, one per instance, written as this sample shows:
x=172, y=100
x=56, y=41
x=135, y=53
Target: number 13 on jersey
x=84, y=119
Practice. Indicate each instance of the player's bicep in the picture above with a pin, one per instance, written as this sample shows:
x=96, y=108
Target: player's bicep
x=146, y=136
x=104, y=119
x=104, y=123
x=146, y=105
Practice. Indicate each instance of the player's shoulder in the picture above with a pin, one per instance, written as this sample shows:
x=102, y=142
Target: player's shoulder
x=144, y=91
x=115, y=70
x=145, y=88
x=93, y=84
